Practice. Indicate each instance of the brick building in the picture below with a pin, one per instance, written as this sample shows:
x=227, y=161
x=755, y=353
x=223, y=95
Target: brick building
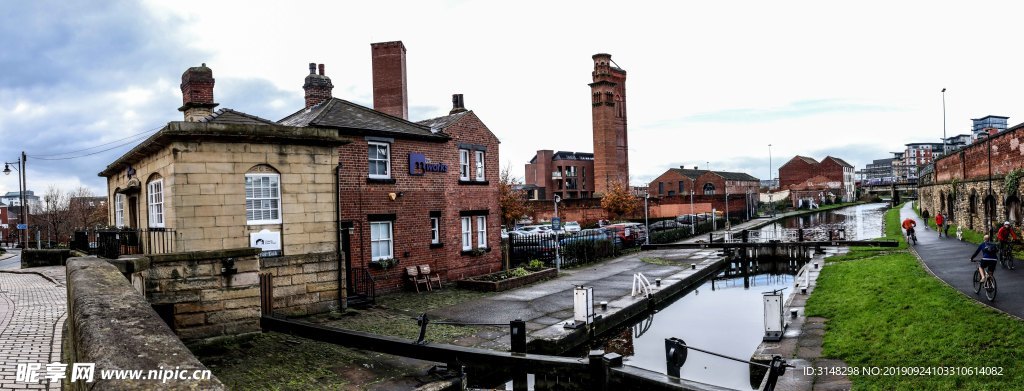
x=832, y=175
x=608, y=110
x=970, y=185
x=709, y=188
x=565, y=174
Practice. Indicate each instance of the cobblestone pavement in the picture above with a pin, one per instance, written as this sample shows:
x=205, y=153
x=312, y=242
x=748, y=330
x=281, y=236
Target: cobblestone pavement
x=32, y=314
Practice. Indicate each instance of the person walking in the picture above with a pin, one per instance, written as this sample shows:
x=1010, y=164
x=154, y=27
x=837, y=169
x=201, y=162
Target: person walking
x=939, y=221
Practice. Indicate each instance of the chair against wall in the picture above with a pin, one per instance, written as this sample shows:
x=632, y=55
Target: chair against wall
x=435, y=277
x=417, y=278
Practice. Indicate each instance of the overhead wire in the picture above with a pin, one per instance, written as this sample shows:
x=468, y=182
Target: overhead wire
x=130, y=139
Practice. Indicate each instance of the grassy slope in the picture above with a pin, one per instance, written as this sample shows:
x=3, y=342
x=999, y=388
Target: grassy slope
x=884, y=309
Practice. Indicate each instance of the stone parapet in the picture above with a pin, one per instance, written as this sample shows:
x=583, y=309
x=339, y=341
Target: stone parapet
x=111, y=325
x=303, y=284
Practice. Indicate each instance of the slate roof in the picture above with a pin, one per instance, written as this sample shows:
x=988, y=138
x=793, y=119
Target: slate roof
x=732, y=176
x=228, y=116
x=806, y=159
x=443, y=122
x=350, y=118
x=840, y=161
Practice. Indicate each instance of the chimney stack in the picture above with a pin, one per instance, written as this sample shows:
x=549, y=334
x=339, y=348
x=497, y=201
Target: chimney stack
x=318, y=87
x=390, y=93
x=197, y=93
x=458, y=105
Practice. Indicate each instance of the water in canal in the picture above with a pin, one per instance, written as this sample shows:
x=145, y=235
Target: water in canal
x=860, y=222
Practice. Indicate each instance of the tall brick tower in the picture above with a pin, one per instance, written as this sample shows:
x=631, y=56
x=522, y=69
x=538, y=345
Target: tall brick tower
x=608, y=94
x=390, y=93
x=197, y=93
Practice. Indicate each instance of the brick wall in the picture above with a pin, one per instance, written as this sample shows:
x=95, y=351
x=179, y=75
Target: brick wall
x=420, y=195
x=795, y=171
x=201, y=301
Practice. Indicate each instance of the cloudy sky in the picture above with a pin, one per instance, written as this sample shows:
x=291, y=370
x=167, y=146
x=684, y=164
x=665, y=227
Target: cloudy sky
x=709, y=83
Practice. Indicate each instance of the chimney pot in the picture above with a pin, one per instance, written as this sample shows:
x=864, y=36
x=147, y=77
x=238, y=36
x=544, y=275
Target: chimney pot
x=321, y=69
x=317, y=88
x=458, y=105
x=312, y=68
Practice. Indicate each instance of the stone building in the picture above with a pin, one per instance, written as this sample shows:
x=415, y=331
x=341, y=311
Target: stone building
x=565, y=174
x=978, y=186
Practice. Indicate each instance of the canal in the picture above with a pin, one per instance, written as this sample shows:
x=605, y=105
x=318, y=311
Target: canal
x=726, y=314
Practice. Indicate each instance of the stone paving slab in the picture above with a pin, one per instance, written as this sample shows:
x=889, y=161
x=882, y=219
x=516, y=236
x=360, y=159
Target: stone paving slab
x=32, y=314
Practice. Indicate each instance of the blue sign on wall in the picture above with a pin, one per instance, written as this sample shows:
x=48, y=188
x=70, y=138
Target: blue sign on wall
x=418, y=164
x=22, y=226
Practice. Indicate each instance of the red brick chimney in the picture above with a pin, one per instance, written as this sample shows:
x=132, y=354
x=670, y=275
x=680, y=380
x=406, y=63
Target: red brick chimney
x=197, y=93
x=608, y=113
x=390, y=94
x=318, y=87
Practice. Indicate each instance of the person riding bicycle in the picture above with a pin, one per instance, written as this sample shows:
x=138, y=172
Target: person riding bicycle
x=1004, y=235
x=988, y=252
x=908, y=225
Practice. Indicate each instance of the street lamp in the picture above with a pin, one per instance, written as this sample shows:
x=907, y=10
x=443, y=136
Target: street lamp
x=22, y=185
x=990, y=207
x=943, y=121
x=558, y=243
x=693, y=216
x=771, y=202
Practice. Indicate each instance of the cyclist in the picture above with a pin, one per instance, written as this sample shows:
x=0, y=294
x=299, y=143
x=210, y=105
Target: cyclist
x=988, y=252
x=1004, y=235
x=909, y=225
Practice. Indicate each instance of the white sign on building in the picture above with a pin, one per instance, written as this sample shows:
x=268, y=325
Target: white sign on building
x=269, y=242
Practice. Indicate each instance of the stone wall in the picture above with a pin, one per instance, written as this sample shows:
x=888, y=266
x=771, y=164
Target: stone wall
x=304, y=284
x=48, y=257
x=199, y=301
x=111, y=325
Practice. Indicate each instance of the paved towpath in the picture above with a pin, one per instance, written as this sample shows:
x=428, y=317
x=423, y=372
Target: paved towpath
x=32, y=313
x=948, y=259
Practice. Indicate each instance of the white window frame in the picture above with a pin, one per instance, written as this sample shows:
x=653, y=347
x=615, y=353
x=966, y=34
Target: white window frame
x=119, y=210
x=481, y=232
x=480, y=166
x=375, y=239
x=387, y=160
x=155, y=204
x=463, y=164
x=276, y=187
x=435, y=230
x=467, y=233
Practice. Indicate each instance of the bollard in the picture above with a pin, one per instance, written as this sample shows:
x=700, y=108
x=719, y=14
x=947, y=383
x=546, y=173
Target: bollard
x=598, y=370
x=517, y=331
x=693, y=266
x=792, y=313
x=803, y=290
x=604, y=306
x=815, y=265
x=675, y=355
x=657, y=282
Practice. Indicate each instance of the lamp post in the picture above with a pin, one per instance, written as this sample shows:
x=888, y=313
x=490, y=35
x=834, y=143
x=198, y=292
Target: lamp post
x=943, y=121
x=647, y=239
x=22, y=185
x=728, y=225
x=693, y=216
x=771, y=202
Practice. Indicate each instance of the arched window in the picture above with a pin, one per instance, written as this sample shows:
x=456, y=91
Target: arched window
x=972, y=203
x=155, y=201
x=262, y=196
x=709, y=189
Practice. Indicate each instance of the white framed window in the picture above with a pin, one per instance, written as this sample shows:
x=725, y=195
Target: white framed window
x=463, y=164
x=480, y=166
x=381, y=240
x=481, y=232
x=380, y=160
x=435, y=230
x=119, y=210
x=262, y=198
x=467, y=233
x=155, y=195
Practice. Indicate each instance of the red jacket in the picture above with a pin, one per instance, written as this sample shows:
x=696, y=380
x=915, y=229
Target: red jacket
x=1005, y=233
x=939, y=219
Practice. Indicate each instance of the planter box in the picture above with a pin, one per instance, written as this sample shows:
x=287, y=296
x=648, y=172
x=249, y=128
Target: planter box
x=506, y=284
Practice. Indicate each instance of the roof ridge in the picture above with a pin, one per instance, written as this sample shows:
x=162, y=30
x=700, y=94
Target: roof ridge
x=373, y=111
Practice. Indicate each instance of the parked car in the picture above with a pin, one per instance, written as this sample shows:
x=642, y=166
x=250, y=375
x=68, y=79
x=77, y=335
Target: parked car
x=631, y=234
x=572, y=227
x=504, y=233
x=538, y=229
x=591, y=235
x=666, y=225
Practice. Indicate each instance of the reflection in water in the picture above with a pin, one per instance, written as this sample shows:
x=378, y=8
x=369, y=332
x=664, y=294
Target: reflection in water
x=727, y=319
x=861, y=222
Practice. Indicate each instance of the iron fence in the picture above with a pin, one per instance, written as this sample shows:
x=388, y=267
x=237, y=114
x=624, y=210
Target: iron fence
x=113, y=243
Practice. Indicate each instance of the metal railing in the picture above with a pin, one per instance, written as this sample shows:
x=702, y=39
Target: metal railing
x=112, y=243
x=364, y=285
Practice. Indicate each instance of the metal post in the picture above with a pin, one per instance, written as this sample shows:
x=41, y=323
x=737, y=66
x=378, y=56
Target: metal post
x=675, y=356
x=693, y=216
x=647, y=238
x=771, y=203
x=728, y=224
x=943, y=121
x=517, y=330
x=558, y=243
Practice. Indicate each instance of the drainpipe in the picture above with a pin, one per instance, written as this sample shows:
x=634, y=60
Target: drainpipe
x=342, y=278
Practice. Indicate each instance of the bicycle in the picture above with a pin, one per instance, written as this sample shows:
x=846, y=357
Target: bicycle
x=989, y=284
x=911, y=236
x=1006, y=255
